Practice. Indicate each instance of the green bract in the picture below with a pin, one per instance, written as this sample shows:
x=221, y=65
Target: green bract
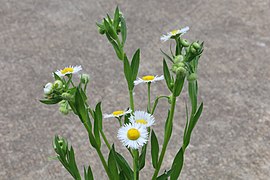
x=180, y=68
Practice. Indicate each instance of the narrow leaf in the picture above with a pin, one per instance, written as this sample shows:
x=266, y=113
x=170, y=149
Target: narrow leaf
x=135, y=64
x=177, y=164
x=154, y=149
x=167, y=75
x=123, y=30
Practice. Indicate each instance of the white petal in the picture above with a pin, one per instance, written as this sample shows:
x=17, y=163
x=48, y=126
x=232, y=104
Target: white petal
x=184, y=30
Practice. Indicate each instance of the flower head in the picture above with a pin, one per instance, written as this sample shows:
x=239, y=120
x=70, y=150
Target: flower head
x=166, y=37
x=118, y=113
x=68, y=70
x=48, y=88
x=133, y=135
x=149, y=78
x=141, y=117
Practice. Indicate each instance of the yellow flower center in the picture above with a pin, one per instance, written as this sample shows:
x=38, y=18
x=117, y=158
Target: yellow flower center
x=174, y=32
x=141, y=121
x=67, y=70
x=117, y=113
x=133, y=134
x=148, y=78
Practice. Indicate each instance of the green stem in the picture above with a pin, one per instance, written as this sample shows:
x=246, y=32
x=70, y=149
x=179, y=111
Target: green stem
x=149, y=97
x=166, y=138
x=119, y=120
x=156, y=102
x=135, y=164
x=131, y=100
x=104, y=163
x=105, y=140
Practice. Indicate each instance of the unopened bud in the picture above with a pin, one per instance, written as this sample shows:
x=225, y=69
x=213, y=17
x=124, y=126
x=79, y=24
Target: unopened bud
x=64, y=110
x=48, y=89
x=101, y=31
x=58, y=85
x=184, y=42
x=181, y=70
x=67, y=96
x=196, y=45
x=178, y=59
x=84, y=78
x=170, y=99
x=192, y=77
x=193, y=50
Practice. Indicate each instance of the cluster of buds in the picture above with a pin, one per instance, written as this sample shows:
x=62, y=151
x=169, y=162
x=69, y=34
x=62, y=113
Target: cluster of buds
x=51, y=89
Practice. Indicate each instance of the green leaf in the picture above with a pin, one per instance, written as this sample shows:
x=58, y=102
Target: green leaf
x=186, y=126
x=154, y=149
x=142, y=157
x=177, y=165
x=166, y=55
x=123, y=165
x=168, y=127
x=167, y=75
x=179, y=83
x=110, y=30
x=88, y=175
x=123, y=30
x=178, y=47
x=191, y=125
x=112, y=163
x=51, y=101
x=96, y=129
x=81, y=109
x=92, y=140
x=98, y=114
x=116, y=18
x=116, y=48
x=128, y=74
x=135, y=64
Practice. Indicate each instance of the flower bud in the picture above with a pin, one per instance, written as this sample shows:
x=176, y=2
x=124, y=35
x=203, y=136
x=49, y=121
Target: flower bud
x=64, y=110
x=178, y=59
x=48, y=88
x=196, y=45
x=101, y=31
x=170, y=99
x=84, y=78
x=181, y=70
x=67, y=96
x=192, y=77
x=174, y=68
x=184, y=42
x=61, y=143
x=181, y=64
x=58, y=85
x=193, y=50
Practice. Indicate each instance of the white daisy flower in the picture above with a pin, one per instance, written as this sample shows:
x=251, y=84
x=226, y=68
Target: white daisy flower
x=141, y=117
x=117, y=113
x=166, y=37
x=148, y=78
x=133, y=135
x=48, y=88
x=68, y=70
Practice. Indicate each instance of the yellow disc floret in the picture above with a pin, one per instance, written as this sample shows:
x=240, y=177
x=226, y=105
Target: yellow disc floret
x=117, y=113
x=141, y=121
x=133, y=134
x=67, y=70
x=148, y=78
x=174, y=32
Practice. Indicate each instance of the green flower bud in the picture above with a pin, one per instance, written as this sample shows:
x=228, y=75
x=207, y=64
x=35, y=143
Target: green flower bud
x=181, y=70
x=193, y=50
x=67, y=96
x=48, y=89
x=196, y=45
x=184, y=42
x=58, y=85
x=101, y=31
x=61, y=143
x=84, y=78
x=192, y=77
x=64, y=110
x=181, y=64
x=170, y=99
x=174, y=68
x=178, y=59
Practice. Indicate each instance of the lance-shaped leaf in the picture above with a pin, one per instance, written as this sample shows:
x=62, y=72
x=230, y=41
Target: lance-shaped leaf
x=128, y=74
x=116, y=18
x=166, y=56
x=51, y=101
x=123, y=166
x=88, y=175
x=116, y=47
x=167, y=75
x=123, y=30
x=179, y=83
x=177, y=164
x=81, y=109
x=135, y=64
x=110, y=30
x=142, y=157
x=192, y=91
x=165, y=175
x=112, y=164
x=154, y=149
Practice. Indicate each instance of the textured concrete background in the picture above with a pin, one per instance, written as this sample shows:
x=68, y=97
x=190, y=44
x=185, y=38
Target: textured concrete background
x=231, y=140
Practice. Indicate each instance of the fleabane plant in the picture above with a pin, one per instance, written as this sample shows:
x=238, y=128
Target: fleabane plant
x=136, y=127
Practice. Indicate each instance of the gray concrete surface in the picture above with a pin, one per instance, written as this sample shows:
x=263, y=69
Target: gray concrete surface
x=231, y=141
